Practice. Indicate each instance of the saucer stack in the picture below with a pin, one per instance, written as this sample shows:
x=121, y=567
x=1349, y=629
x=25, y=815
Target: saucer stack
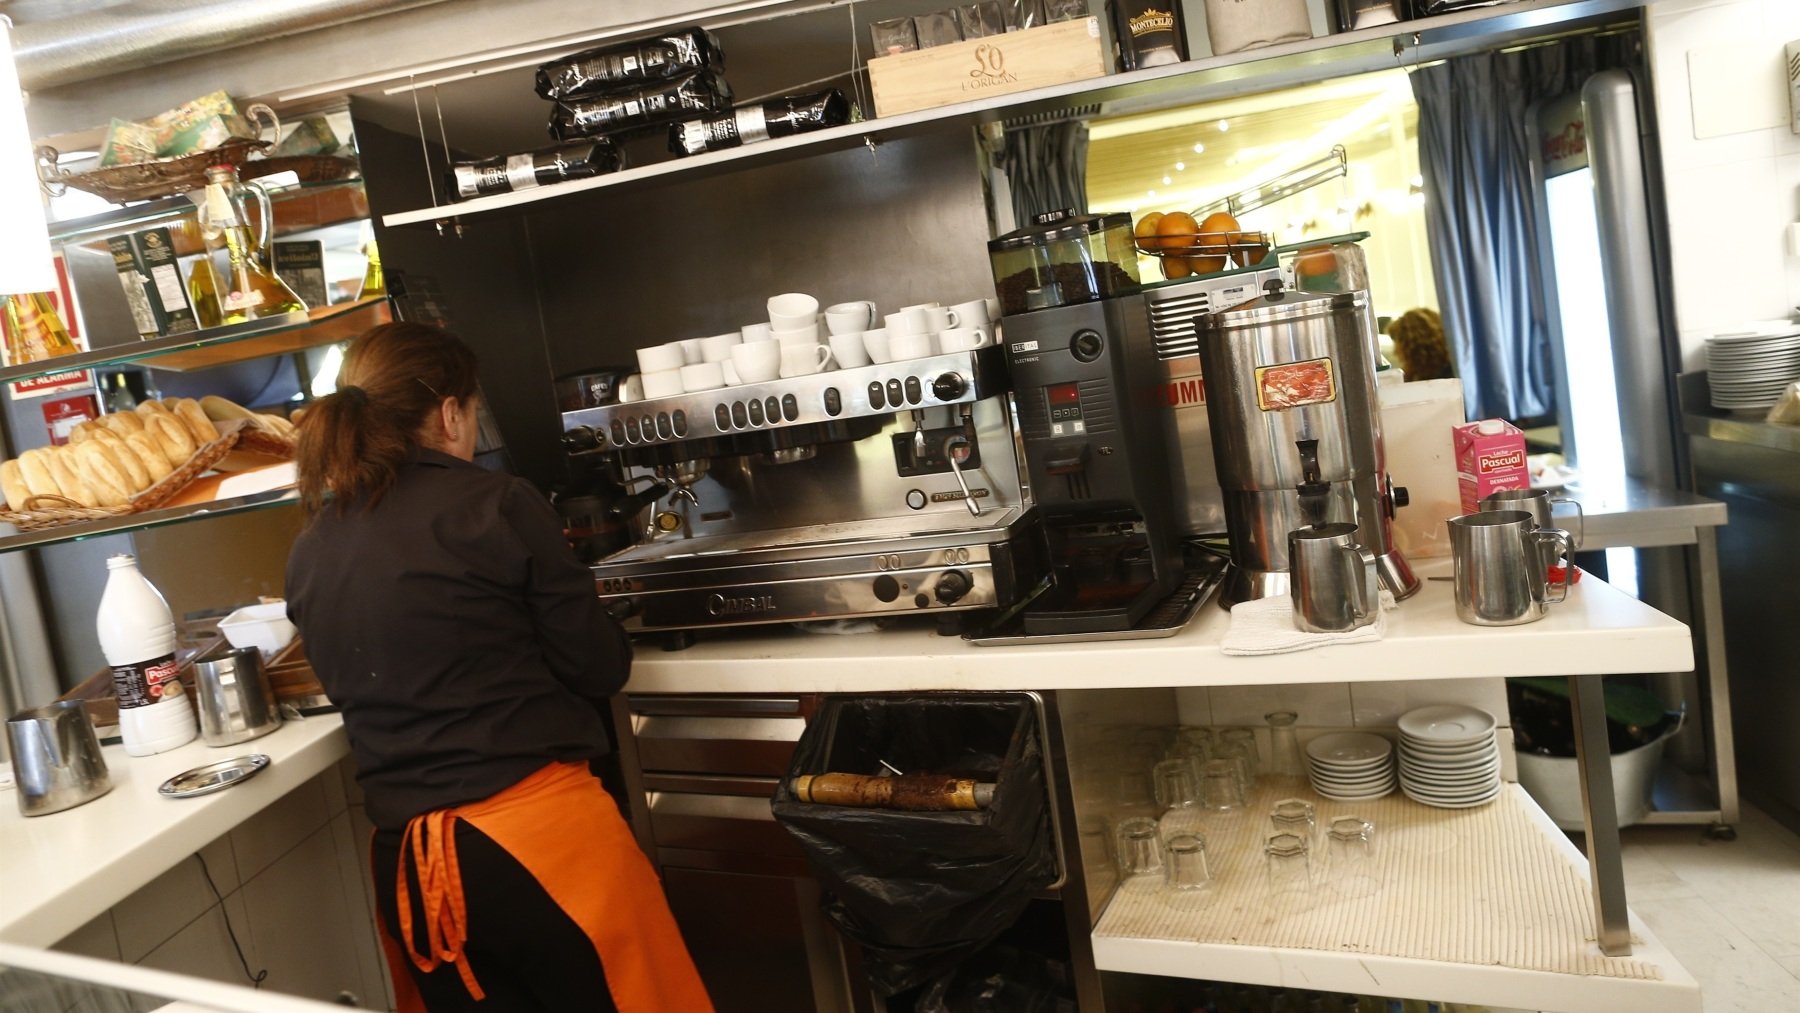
x=1449, y=756
x=1350, y=766
x=1749, y=370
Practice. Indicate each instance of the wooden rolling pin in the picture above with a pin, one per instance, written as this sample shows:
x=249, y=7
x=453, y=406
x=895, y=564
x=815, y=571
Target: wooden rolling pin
x=913, y=792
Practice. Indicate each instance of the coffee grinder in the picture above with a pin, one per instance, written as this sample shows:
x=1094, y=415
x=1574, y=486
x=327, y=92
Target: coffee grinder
x=1296, y=432
x=1084, y=378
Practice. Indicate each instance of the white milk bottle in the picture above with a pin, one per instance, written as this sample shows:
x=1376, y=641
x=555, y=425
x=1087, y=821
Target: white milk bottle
x=137, y=635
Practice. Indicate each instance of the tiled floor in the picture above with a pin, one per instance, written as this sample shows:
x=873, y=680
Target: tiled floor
x=1728, y=910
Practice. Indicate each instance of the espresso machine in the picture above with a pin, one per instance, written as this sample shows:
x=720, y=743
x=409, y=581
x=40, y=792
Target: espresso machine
x=1097, y=455
x=1296, y=432
x=889, y=489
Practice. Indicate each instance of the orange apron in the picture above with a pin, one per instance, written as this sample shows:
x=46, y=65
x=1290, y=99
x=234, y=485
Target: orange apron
x=566, y=830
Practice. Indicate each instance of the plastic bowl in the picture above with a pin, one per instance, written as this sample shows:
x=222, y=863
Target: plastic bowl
x=264, y=627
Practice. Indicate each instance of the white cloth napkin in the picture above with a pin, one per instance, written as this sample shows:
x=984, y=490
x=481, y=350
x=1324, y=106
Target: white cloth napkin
x=1266, y=626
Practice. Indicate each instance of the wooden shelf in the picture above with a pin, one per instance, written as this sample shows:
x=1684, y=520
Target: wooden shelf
x=1294, y=63
x=218, y=346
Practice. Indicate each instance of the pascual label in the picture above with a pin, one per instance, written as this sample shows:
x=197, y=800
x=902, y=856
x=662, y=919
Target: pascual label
x=1503, y=461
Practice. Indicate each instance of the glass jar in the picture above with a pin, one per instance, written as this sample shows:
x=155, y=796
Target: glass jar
x=1063, y=259
x=1284, y=747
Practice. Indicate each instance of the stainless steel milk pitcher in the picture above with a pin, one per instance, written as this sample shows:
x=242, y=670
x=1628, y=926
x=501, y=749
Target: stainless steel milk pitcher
x=1499, y=560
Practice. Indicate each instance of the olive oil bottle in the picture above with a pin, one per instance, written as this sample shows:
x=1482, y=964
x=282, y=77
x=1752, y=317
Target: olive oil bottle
x=251, y=290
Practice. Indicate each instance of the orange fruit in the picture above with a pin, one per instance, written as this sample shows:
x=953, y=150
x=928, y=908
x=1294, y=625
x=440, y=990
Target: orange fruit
x=1146, y=230
x=1176, y=231
x=1175, y=267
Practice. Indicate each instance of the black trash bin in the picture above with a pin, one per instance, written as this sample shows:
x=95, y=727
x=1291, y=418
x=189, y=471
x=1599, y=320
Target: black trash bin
x=921, y=891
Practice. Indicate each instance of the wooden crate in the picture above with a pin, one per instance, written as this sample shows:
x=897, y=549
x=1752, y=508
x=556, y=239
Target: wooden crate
x=997, y=65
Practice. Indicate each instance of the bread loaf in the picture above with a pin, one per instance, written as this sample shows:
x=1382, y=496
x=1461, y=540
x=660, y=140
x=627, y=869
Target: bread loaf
x=277, y=425
x=36, y=469
x=12, y=484
x=171, y=436
x=156, y=463
x=61, y=461
x=123, y=422
x=84, y=432
x=223, y=410
x=137, y=474
x=103, y=474
x=201, y=428
x=147, y=408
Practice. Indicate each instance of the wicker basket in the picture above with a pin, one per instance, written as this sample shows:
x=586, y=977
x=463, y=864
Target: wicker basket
x=54, y=511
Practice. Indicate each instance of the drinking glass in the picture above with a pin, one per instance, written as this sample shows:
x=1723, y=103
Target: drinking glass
x=1295, y=816
x=1350, y=857
x=1178, y=793
x=1242, y=742
x=1284, y=748
x=1220, y=787
x=1139, y=849
x=1184, y=865
x=1288, y=864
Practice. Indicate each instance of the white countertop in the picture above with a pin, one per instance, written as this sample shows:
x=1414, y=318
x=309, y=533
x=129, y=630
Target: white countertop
x=1424, y=640
x=59, y=871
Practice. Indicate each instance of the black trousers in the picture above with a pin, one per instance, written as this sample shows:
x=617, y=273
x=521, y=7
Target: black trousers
x=528, y=955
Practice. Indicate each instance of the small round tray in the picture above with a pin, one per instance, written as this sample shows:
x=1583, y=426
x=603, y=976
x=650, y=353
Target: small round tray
x=213, y=776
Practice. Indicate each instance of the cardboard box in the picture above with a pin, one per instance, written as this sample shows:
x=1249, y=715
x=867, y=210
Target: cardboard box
x=1490, y=456
x=995, y=65
x=134, y=281
x=302, y=266
x=167, y=294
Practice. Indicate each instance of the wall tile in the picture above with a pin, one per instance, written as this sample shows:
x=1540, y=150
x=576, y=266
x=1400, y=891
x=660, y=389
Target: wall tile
x=1317, y=703
x=1727, y=237
x=1193, y=705
x=164, y=906
x=1379, y=704
x=1672, y=34
x=268, y=835
x=360, y=925
x=204, y=949
x=298, y=919
x=95, y=939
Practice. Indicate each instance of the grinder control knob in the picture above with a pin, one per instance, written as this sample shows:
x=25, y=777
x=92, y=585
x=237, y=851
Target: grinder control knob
x=1401, y=496
x=952, y=585
x=581, y=438
x=949, y=387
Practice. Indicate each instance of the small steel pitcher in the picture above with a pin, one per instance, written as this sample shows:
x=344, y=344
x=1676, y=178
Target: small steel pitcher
x=56, y=758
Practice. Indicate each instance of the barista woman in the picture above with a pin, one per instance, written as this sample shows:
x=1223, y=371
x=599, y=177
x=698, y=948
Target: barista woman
x=447, y=618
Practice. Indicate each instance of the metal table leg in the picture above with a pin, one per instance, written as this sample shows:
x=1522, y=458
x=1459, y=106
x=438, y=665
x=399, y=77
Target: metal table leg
x=1718, y=685
x=1600, y=814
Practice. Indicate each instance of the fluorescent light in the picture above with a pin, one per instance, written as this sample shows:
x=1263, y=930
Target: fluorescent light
x=1199, y=149
x=25, y=264
x=1180, y=166
x=1224, y=125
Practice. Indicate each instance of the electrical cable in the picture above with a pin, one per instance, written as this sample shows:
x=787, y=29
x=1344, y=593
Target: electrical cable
x=258, y=977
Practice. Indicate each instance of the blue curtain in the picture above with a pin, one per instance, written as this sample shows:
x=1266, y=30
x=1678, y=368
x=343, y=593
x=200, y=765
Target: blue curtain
x=1481, y=212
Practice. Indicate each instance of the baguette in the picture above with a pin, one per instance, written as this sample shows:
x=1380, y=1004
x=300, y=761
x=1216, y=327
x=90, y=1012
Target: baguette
x=84, y=432
x=277, y=425
x=172, y=437
x=201, y=428
x=61, y=461
x=137, y=474
x=222, y=409
x=103, y=475
x=143, y=447
x=12, y=484
x=123, y=422
x=146, y=409
x=36, y=469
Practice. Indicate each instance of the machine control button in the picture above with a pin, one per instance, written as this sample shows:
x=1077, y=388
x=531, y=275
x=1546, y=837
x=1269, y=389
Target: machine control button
x=680, y=420
x=772, y=409
x=790, y=405
x=914, y=393
x=722, y=416
x=618, y=431
x=756, y=413
x=1087, y=345
x=649, y=427
x=915, y=498
x=665, y=428
x=1398, y=496
x=740, y=417
x=894, y=393
x=582, y=438
x=949, y=386
x=876, y=398
x=631, y=429
x=952, y=585
x=886, y=588
x=834, y=404
x=920, y=601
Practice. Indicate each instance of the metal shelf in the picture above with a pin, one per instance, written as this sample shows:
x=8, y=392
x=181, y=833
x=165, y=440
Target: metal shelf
x=132, y=216
x=147, y=519
x=1405, y=44
x=218, y=346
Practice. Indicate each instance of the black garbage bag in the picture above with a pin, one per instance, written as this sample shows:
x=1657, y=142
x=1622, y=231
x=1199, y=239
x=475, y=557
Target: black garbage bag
x=1001, y=979
x=921, y=891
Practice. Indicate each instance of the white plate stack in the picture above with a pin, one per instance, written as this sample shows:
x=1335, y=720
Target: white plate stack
x=1351, y=766
x=1449, y=756
x=1749, y=369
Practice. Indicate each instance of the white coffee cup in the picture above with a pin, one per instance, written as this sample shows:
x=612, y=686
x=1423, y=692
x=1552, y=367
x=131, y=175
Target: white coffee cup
x=718, y=347
x=632, y=389
x=923, y=306
x=691, y=351
x=731, y=373
x=910, y=346
x=698, y=376
x=807, y=334
x=973, y=313
x=939, y=319
x=660, y=358
x=849, y=350
x=804, y=360
x=663, y=383
x=849, y=317
x=792, y=309
x=993, y=309
x=911, y=320
x=876, y=343
x=757, y=361
x=963, y=339
x=760, y=331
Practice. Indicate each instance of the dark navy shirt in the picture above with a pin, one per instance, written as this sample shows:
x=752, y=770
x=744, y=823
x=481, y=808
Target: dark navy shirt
x=457, y=632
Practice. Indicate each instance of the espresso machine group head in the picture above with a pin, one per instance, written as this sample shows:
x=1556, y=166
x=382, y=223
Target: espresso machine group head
x=1296, y=432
